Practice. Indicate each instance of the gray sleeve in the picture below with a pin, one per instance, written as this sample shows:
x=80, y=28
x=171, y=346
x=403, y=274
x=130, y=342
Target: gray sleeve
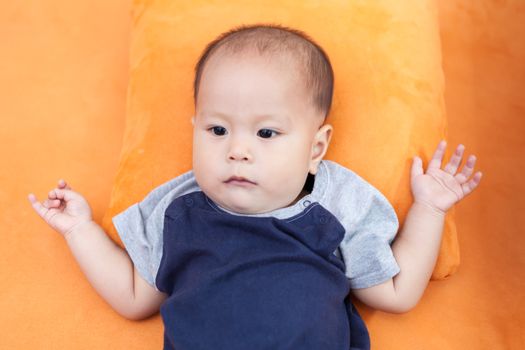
x=371, y=225
x=140, y=226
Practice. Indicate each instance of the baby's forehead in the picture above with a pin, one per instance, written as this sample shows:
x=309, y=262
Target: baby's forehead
x=291, y=63
x=292, y=78
x=253, y=72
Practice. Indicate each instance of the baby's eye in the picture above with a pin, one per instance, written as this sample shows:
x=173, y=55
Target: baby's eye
x=266, y=133
x=218, y=130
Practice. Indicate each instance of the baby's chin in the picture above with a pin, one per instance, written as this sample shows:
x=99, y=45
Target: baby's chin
x=245, y=206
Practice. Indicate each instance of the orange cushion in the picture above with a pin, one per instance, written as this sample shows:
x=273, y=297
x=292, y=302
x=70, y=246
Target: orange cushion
x=388, y=95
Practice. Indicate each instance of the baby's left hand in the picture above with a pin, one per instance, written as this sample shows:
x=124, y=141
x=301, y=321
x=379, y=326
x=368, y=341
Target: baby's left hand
x=438, y=188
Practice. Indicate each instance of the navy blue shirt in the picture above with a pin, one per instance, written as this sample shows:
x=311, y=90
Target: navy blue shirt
x=238, y=282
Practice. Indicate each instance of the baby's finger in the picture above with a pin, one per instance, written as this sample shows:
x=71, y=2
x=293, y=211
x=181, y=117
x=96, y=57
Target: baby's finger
x=63, y=184
x=39, y=208
x=472, y=184
x=417, y=167
x=54, y=203
x=455, y=160
x=65, y=194
x=467, y=170
x=53, y=193
x=435, y=162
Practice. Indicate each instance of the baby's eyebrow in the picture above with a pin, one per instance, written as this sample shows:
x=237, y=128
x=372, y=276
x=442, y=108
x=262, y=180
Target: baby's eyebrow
x=282, y=118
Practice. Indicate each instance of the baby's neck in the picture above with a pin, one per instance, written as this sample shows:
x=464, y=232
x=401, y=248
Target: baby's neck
x=301, y=195
x=307, y=188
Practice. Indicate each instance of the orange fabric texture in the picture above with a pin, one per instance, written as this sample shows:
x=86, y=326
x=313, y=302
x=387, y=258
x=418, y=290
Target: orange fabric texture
x=63, y=79
x=387, y=107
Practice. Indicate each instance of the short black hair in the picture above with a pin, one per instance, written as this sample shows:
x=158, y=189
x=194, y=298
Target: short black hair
x=277, y=39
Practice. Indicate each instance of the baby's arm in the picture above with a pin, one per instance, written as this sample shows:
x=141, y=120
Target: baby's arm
x=417, y=245
x=108, y=268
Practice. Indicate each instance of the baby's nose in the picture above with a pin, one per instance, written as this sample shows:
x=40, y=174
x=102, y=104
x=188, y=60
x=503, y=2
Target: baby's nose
x=239, y=151
x=239, y=155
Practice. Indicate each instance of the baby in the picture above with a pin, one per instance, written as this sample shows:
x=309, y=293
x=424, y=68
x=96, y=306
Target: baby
x=260, y=244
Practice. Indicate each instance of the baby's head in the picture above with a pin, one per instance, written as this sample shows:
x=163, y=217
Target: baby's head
x=262, y=94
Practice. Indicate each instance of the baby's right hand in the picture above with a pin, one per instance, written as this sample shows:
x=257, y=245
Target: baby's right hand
x=64, y=209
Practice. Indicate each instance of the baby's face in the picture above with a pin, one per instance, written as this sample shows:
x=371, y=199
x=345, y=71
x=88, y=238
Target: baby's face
x=254, y=120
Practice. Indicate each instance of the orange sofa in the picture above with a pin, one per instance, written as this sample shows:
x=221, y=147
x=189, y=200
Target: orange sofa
x=64, y=70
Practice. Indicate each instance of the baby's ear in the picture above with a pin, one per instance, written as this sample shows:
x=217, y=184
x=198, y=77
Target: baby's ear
x=320, y=146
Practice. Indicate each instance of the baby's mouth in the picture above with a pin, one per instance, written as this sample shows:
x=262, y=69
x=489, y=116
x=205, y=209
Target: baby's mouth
x=239, y=180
